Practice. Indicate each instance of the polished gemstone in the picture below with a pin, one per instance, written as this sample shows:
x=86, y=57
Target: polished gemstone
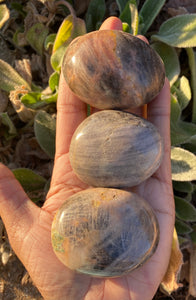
x=115, y=149
x=104, y=232
x=112, y=69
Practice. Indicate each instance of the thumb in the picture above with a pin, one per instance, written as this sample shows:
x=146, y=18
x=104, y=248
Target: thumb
x=17, y=211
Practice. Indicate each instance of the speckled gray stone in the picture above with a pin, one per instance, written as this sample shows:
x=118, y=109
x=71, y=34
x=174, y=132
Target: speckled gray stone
x=115, y=149
x=104, y=232
x=112, y=69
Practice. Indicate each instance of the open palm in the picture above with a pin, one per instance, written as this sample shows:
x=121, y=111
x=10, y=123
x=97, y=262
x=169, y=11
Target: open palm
x=29, y=227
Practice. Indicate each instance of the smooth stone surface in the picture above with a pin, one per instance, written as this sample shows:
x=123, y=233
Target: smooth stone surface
x=104, y=232
x=115, y=149
x=113, y=69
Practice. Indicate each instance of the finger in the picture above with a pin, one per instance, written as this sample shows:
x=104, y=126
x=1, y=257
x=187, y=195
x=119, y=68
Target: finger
x=70, y=113
x=159, y=115
x=17, y=211
x=112, y=23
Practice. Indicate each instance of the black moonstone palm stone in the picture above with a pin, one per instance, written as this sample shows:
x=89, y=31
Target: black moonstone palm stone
x=111, y=69
x=115, y=149
x=104, y=232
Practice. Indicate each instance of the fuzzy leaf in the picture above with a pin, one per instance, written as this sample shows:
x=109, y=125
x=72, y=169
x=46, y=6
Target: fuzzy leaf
x=64, y=33
x=29, y=180
x=134, y=17
x=121, y=4
x=183, y=132
x=31, y=100
x=130, y=17
x=54, y=81
x=183, y=164
x=148, y=13
x=170, y=59
x=179, y=31
x=49, y=41
x=9, y=78
x=51, y=98
x=182, y=227
x=5, y=119
x=185, y=210
x=4, y=14
x=185, y=95
x=36, y=36
x=69, y=29
x=175, y=109
x=183, y=92
x=193, y=235
x=95, y=13
x=45, y=131
x=183, y=186
x=170, y=281
x=125, y=16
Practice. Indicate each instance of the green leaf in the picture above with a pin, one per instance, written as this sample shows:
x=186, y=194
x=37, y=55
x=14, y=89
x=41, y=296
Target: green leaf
x=121, y=4
x=183, y=164
x=185, y=210
x=125, y=27
x=29, y=180
x=185, y=95
x=95, y=13
x=125, y=15
x=179, y=31
x=69, y=29
x=193, y=234
x=192, y=69
x=170, y=59
x=175, y=109
x=57, y=58
x=32, y=100
x=36, y=36
x=9, y=78
x=19, y=8
x=4, y=14
x=49, y=41
x=54, y=81
x=183, y=132
x=134, y=17
x=183, y=240
x=130, y=16
x=183, y=92
x=64, y=33
x=45, y=131
x=182, y=227
x=189, y=197
x=51, y=98
x=183, y=186
x=5, y=119
x=190, y=147
x=149, y=11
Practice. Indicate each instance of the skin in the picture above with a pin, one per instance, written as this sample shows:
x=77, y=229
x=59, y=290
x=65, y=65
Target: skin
x=29, y=227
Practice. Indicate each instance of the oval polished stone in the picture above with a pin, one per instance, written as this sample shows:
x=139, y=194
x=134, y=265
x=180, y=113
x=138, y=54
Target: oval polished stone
x=104, y=232
x=112, y=69
x=115, y=149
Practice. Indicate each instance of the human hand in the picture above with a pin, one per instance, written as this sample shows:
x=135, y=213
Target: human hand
x=29, y=227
